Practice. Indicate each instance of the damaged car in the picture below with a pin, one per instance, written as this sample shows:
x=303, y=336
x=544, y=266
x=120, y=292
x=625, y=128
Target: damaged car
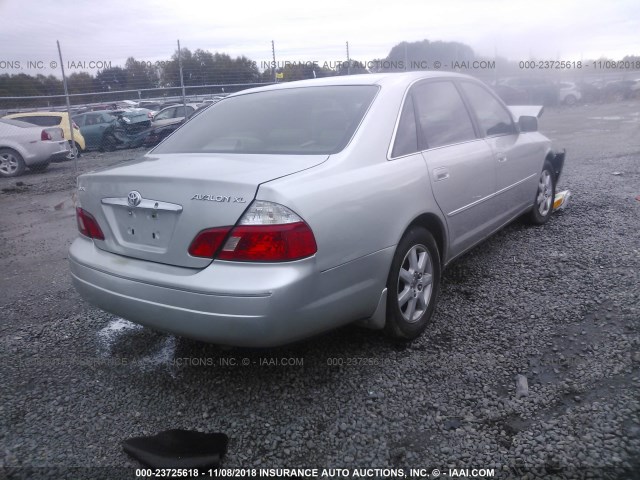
x=288, y=210
x=107, y=130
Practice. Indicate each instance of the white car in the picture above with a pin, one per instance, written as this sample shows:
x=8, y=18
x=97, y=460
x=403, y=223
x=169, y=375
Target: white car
x=568, y=93
x=173, y=114
x=24, y=145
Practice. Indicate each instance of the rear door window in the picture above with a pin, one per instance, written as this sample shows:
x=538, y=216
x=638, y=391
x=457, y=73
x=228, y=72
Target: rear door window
x=442, y=116
x=166, y=114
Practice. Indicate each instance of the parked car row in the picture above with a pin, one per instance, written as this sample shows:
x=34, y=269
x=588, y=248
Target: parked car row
x=615, y=91
x=536, y=91
x=104, y=130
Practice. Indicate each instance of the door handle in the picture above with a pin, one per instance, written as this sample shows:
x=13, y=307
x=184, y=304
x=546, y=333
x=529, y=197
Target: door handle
x=440, y=174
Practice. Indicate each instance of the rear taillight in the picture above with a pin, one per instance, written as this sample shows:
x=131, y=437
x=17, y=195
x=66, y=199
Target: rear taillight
x=269, y=243
x=45, y=135
x=267, y=232
x=207, y=242
x=87, y=225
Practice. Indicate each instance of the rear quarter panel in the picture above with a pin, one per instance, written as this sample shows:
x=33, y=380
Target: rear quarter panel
x=358, y=202
x=19, y=139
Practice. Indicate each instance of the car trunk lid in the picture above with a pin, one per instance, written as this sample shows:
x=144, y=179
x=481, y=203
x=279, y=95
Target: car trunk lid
x=153, y=208
x=54, y=134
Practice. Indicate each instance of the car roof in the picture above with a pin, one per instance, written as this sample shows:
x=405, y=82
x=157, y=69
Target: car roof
x=32, y=114
x=94, y=111
x=188, y=104
x=397, y=79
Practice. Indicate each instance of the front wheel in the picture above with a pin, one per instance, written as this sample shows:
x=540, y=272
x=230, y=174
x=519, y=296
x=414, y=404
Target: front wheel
x=545, y=195
x=413, y=285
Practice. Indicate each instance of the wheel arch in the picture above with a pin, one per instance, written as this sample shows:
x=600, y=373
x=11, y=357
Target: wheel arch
x=16, y=148
x=436, y=227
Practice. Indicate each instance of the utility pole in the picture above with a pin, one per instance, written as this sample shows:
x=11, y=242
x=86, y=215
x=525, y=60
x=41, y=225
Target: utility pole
x=74, y=149
x=184, y=101
x=273, y=53
x=348, y=61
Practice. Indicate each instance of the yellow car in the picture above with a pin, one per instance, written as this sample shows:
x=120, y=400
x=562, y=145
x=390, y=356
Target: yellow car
x=54, y=119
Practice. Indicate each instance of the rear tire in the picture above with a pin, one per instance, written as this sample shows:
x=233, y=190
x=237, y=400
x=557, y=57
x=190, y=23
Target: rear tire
x=570, y=100
x=11, y=163
x=76, y=151
x=545, y=195
x=413, y=285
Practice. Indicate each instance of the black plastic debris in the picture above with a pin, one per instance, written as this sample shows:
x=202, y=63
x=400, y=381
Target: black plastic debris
x=178, y=449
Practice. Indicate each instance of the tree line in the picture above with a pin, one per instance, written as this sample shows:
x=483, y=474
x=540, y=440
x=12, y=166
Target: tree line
x=202, y=67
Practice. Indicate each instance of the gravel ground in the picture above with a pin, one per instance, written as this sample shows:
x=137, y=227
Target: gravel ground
x=558, y=305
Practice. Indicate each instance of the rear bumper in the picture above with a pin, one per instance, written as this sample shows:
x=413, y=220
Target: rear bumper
x=253, y=305
x=42, y=152
x=60, y=156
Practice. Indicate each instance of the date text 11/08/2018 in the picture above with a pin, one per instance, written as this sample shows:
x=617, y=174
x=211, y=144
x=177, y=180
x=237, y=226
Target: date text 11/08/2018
x=349, y=473
x=579, y=65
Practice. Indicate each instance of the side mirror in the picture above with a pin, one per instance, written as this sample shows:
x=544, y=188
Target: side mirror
x=528, y=124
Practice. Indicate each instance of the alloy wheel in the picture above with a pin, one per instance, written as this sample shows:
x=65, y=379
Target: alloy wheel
x=415, y=283
x=8, y=163
x=545, y=191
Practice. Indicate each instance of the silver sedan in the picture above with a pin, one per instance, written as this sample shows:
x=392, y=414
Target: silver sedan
x=24, y=145
x=285, y=211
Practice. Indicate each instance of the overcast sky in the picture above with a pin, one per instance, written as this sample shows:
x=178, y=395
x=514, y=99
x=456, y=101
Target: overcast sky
x=313, y=31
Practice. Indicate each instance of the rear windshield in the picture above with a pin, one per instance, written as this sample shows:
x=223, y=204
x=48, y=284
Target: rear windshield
x=311, y=120
x=41, y=120
x=16, y=123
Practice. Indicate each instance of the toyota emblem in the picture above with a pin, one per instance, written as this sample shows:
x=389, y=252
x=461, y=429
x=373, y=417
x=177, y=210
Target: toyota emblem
x=134, y=198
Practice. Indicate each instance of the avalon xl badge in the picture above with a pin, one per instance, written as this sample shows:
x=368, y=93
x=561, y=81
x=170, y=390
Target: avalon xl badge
x=217, y=198
x=134, y=198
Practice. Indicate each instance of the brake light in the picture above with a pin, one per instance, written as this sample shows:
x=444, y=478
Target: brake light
x=45, y=135
x=267, y=232
x=269, y=243
x=207, y=242
x=87, y=225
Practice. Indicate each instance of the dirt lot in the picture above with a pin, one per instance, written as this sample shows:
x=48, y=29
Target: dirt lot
x=559, y=304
